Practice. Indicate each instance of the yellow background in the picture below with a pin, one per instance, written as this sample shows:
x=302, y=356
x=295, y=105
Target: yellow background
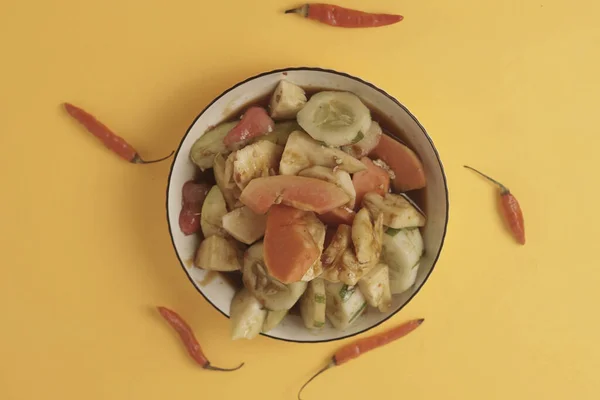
x=509, y=86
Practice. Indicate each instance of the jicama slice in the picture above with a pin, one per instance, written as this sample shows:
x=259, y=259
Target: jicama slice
x=287, y=100
x=210, y=144
x=401, y=281
x=301, y=151
x=363, y=147
x=336, y=118
x=367, y=238
x=402, y=249
x=397, y=211
x=224, y=178
x=312, y=304
x=247, y=316
x=273, y=319
x=255, y=160
x=375, y=286
x=344, y=304
x=245, y=225
x=217, y=253
x=213, y=210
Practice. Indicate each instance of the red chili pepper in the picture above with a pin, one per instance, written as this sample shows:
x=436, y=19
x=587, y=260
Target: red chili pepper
x=189, y=339
x=361, y=346
x=511, y=211
x=110, y=139
x=344, y=17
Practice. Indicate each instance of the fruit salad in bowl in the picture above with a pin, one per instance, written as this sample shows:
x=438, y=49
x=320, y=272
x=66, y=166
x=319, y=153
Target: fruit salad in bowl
x=306, y=205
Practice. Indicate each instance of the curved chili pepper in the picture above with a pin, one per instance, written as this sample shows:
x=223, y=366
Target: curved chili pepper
x=361, y=346
x=110, y=139
x=344, y=17
x=511, y=210
x=189, y=339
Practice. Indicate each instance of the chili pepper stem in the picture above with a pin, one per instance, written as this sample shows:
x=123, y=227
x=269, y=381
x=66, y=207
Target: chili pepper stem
x=325, y=368
x=303, y=11
x=138, y=160
x=213, y=368
x=503, y=189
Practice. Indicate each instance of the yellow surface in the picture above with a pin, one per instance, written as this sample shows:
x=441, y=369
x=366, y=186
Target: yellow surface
x=510, y=87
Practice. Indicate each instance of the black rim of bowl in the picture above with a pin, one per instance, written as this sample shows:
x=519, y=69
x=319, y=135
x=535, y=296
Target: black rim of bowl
x=282, y=70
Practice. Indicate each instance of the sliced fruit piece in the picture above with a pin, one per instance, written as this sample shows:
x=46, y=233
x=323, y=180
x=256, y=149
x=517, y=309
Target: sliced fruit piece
x=281, y=132
x=306, y=194
x=375, y=286
x=342, y=312
x=363, y=147
x=289, y=247
x=336, y=118
x=287, y=100
x=341, y=240
x=255, y=122
x=397, y=211
x=217, y=253
x=401, y=281
x=340, y=215
x=273, y=319
x=318, y=231
x=312, y=304
x=409, y=173
x=213, y=210
x=254, y=161
x=272, y=293
x=373, y=179
x=336, y=176
x=247, y=316
x=402, y=249
x=192, y=198
x=210, y=144
x=225, y=182
x=367, y=238
x=302, y=151
x=245, y=225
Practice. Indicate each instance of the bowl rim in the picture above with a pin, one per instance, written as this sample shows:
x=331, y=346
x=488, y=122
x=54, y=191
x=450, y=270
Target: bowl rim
x=372, y=86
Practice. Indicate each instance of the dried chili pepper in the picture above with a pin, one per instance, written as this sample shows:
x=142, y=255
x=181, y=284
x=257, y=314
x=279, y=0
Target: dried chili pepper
x=344, y=17
x=361, y=346
x=511, y=211
x=189, y=339
x=110, y=139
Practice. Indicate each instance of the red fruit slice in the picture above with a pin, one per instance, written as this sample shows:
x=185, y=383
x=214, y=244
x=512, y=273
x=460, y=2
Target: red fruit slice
x=255, y=122
x=193, y=195
x=408, y=169
x=308, y=194
x=338, y=216
x=289, y=248
x=373, y=179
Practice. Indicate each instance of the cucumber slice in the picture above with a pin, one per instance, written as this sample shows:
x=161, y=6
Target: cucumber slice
x=213, y=210
x=335, y=118
x=343, y=313
x=245, y=225
x=217, y=253
x=367, y=143
x=281, y=132
x=375, y=286
x=247, y=316
x=287, y=100
x=312, y=304
x=403, y=250
x=210, y=144
x=269, y=291
x=273, y=319
x=397, y=211
x=400, y=281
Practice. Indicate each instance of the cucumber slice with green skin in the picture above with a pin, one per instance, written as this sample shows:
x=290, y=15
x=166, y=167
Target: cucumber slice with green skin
x=213, y=210
x=287, y=100
x=401, y=281
x=313, y=304
x=273, y=319
x=397, y=211
x=343, y=313
x=281, y=132
x=273, y=294
x=247, y=316
x=375, y=286
x=346, y=292
x=210, y=144
x=217, y=253
x=365, y=143
x=335, y=118
x=403, y=250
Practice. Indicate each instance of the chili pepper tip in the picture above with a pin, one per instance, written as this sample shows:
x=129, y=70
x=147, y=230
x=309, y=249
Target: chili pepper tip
x=138, y=160
x=213, y=368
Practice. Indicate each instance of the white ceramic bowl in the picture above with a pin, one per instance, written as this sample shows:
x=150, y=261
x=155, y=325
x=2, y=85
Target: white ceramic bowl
x=218, y=292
